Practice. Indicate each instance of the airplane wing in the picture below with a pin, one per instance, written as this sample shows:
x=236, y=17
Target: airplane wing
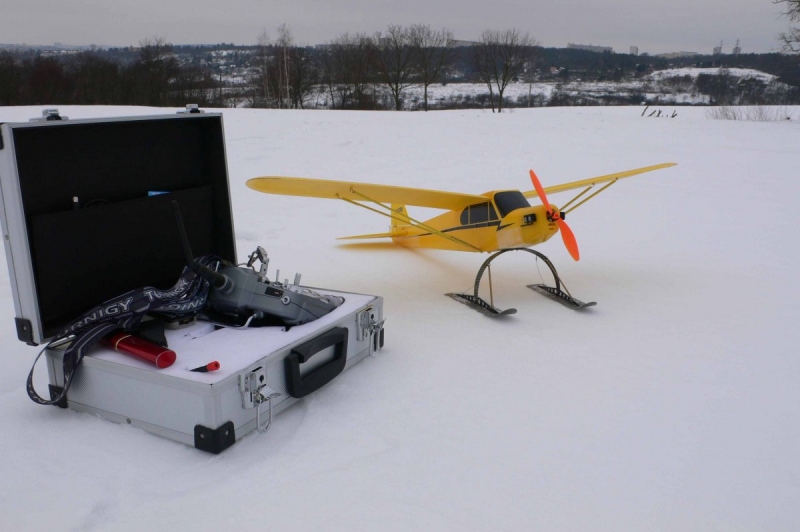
x=595, y=180
x=349, y=190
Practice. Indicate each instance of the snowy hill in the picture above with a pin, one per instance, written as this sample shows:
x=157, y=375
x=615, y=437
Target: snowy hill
x=667, y=87
x=671, y=405
x=741, y=73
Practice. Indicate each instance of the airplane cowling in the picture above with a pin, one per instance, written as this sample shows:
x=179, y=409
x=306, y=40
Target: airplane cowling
x=515, y=231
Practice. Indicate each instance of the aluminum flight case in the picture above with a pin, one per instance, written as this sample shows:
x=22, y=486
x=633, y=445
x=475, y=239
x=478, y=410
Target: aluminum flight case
x=86, y=216
x=262, y=371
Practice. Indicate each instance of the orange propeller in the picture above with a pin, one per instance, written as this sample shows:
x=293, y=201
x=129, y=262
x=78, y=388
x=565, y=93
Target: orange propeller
x=566, y=233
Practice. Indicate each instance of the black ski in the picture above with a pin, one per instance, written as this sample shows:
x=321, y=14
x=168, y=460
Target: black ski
x=481, y=306
x=562, y=297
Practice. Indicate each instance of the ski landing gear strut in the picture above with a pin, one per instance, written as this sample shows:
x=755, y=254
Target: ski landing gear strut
x=556, y=293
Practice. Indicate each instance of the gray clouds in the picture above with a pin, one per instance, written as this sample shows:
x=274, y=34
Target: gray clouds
x=654, y=26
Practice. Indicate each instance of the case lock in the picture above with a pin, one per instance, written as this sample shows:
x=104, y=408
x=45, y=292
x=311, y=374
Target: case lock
x=261, y=399
x=250, y=385
x=368, y=328
x=255, y=392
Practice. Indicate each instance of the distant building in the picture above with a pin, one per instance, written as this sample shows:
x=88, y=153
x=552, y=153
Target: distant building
x=590, y=48
x=634, y=50
x=718, y=49
x=737, y=49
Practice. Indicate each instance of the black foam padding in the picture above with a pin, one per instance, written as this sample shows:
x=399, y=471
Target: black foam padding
x=121, y=238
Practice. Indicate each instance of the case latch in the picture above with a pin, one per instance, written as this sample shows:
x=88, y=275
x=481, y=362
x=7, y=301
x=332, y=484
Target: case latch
x=255, y=393
x=250, y=385
x=368, y=328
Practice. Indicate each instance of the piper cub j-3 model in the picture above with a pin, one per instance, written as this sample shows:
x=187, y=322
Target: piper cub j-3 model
x=496, y=221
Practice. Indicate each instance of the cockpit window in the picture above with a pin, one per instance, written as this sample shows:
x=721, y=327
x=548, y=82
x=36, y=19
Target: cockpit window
x=478, y=214
x=509, y=201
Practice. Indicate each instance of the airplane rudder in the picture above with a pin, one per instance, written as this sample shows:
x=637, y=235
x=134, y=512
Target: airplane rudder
x=400, y=215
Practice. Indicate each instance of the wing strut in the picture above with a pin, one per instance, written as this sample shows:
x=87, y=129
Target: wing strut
x=406, y=219
x=573, y=200
x=590, y=197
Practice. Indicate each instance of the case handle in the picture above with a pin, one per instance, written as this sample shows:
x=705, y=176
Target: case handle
x=300, y=386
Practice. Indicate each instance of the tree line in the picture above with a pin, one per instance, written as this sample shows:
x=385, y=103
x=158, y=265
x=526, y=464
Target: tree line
x=353, y=71
x=279, y=73
x=350, y=66
x=153, y=78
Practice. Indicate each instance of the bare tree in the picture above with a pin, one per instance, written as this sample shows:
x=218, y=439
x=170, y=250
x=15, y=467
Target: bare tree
x=394, y=61
x=96, y=79
x=303, y=76
x=347, y=72
x=327, y=65
x=260, y=79
x=295, y=74
x=258, y=86
x=153, y=73
x=282, y=74
x=283, y=60
x=46, y=81
x=10, y=79
x=791, y=39
x=500, y=57
x=193, y=84
x=433, y=54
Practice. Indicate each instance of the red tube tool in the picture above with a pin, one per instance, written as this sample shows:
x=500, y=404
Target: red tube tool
x=133, y=345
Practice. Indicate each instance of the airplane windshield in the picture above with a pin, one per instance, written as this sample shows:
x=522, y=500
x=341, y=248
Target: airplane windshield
x=510, y=200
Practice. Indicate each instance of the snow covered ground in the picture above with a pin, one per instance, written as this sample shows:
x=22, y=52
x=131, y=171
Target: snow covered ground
x=671, y=405
x=741, y=73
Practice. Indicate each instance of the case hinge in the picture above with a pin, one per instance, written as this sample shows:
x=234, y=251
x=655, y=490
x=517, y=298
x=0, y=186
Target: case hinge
x=49, y=115
x=191, y=108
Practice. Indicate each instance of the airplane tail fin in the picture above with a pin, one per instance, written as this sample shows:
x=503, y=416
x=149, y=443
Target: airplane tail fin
x=399, y=218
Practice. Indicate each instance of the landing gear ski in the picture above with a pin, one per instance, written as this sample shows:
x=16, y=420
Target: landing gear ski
x=557, y=293
x=482, y=306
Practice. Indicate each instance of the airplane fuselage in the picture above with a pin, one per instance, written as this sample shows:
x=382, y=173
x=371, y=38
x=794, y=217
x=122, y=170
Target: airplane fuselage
x=505, y=220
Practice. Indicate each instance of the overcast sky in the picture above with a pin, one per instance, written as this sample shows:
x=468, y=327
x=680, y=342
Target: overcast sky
x=655, y=26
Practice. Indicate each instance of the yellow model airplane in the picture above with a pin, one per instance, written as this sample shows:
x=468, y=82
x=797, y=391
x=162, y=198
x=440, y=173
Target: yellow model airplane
x=488, y=222
x=495, y=221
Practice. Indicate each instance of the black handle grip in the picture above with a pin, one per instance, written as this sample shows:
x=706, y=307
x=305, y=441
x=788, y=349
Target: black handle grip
x=300, y=386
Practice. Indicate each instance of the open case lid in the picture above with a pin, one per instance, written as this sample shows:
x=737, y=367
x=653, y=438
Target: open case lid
x=86, y=209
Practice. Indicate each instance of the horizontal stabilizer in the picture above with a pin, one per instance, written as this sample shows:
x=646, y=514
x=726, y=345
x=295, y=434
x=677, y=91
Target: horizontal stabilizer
x=364, y=237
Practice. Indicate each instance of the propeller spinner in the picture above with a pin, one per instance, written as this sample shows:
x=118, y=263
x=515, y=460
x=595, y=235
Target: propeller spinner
x=566, y=233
